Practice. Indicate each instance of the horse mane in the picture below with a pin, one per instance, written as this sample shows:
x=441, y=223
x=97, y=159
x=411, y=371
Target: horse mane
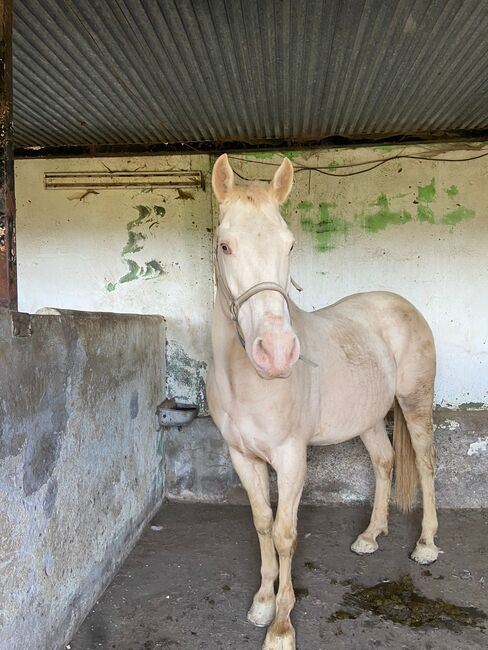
x=254, y=193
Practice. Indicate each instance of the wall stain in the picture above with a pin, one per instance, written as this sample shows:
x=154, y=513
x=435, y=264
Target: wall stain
x=426, y=193
x=465, y=406
x=425, y=214
x=185, y=376
x=384, y=216
x=452, y=191
x=324, y=226
x=266, y=155
x=137, y=233
x=184, y=196
x=285, y=211
x=40, y=458
x=455, y=216
x=134, y=405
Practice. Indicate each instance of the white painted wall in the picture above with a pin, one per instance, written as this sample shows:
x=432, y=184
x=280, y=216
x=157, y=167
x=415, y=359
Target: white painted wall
x=71, y=254
x=70, y=251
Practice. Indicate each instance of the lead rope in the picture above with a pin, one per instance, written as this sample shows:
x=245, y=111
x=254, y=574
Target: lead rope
x=236, y=303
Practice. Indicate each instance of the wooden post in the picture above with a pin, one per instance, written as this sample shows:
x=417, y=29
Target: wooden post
x=8, y=262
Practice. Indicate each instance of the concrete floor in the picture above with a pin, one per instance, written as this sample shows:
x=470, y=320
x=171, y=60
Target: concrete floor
x=190, y=579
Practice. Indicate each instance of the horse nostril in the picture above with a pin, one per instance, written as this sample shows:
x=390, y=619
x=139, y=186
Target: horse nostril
x=259, y=352
x=295, y=350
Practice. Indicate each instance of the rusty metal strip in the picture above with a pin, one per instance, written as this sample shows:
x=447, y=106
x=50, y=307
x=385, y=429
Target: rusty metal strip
x=8, y=266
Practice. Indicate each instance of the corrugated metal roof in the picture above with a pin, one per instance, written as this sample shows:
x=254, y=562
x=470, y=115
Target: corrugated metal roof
x=147, y=71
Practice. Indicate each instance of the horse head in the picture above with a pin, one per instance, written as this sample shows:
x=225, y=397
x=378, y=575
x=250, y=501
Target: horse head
x=253, y=266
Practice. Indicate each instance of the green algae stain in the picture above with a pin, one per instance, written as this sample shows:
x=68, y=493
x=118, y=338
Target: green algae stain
x=260, y=155
x=304, y=208
x=133, y=274
x=467, y=406
x=285, y=211
x=455, y=216
x=153, y=269
x=159, y=210
x=133, y=243
x=426, y=193
x=333, y=165
x=137, y=233
x=384, y=216
x=400, y=602
x=267, y=154
x=425, y=214
x=144, y=211
x=452, y=191
x=328, y=227
x=324, y=226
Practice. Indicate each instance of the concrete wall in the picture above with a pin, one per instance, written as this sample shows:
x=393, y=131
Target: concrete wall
x=418, y=227
x=198, y=466
x=134, y=250
x=80, y=463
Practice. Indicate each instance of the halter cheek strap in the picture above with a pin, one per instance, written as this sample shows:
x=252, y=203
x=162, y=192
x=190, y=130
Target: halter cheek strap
x=235, y=304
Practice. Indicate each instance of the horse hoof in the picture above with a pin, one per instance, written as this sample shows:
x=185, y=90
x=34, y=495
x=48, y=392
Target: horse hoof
x=425, y=553
x=284, y=641
x=363, y=546
x=261, y=614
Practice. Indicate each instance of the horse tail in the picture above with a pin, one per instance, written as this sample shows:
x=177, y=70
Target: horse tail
x=405, y=468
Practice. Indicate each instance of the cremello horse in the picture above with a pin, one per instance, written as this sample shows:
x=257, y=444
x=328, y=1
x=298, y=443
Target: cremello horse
x=360, y=356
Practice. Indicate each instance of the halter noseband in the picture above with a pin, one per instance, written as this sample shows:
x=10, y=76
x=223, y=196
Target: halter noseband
x=235, y=304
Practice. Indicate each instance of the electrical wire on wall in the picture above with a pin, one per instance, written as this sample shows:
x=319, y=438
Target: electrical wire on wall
x=373, y=164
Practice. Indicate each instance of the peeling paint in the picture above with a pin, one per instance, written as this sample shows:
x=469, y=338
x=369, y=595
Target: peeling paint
x=385, y=216
x=185, y=376
x=148, y=218
x=479, y=447
x=450, y=425
x=133, y=274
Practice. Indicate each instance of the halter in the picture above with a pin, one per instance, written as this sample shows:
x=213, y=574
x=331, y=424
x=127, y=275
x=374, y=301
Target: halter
x=234, y=304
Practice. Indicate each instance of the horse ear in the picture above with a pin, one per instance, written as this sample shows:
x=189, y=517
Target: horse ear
x=282, y=181
x=222, y=177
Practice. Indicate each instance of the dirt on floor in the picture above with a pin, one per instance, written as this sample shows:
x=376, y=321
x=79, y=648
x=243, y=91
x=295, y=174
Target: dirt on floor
x=189, y=581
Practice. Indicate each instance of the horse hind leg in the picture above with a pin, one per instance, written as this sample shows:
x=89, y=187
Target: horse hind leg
x=380, y=450
x=417, y=411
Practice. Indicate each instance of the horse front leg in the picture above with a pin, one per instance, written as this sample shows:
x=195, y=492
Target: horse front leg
x=255, y=479
x=290, y=463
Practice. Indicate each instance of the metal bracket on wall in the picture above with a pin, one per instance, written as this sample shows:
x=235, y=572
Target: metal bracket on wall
x=21, y=324
x=122, y=179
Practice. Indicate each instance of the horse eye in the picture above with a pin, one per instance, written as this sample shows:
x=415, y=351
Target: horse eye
x=226, y=249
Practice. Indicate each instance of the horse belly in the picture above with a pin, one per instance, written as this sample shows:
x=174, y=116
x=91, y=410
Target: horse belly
x=354, y=405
